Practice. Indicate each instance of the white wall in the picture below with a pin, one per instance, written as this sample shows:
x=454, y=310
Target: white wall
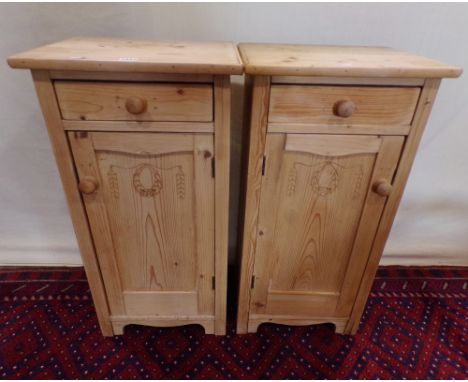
x=432, y=223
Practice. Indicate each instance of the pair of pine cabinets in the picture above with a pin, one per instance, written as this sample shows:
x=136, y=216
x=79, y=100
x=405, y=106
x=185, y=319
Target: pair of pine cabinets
x=141, y=135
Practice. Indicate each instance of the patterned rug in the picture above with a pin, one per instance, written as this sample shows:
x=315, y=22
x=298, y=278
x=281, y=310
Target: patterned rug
x=414, y=327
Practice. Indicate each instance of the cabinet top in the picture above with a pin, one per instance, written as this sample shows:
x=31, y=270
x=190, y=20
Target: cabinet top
x=339, y=61
x=106, y=54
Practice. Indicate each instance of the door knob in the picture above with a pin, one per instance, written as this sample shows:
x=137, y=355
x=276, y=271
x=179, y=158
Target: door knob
x=88, y=184
x=382, y=187
x=135, y=105
x=344, y=108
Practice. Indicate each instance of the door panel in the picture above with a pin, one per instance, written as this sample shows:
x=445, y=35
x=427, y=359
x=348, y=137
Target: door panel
x=152, y=218
x=313, y=196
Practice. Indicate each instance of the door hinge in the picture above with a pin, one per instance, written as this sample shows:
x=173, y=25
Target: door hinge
x=263, y=165
x=213, y=283
x=252, y=282
x=213, y=167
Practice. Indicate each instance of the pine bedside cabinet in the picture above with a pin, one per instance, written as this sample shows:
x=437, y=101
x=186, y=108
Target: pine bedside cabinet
x=140, y=132
x=332, y=136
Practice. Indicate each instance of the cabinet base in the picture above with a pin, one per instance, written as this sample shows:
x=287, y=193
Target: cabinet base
x=118, y=323
x=256, y=320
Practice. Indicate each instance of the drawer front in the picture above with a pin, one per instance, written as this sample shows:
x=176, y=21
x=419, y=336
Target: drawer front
x=114, y=101
x=342, y=105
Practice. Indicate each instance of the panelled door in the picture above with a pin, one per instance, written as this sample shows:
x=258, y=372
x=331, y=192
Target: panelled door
x=150, y=204
x=321, y=200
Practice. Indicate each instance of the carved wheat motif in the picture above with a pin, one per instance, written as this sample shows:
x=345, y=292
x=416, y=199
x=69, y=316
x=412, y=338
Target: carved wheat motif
x=292, y=177
x=358, y=183
x=113, y=183
x=180, y=183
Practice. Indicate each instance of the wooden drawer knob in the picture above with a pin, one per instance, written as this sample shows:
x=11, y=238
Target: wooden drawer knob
x=88, y=185
x=344, y=109
x=135, y=105
x=382, y=188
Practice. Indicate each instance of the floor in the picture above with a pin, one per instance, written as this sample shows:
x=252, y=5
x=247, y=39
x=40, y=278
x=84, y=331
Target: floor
x=415, y=326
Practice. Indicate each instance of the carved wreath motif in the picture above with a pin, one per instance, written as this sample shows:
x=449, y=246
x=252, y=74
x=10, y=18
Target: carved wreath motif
x=156, y=178
x=155, y=187
x=325, y=179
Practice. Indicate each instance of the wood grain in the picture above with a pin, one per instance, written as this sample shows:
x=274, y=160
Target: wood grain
x=129, y=76
x=331, y=128
x=368, y=81
x=86, y=166
x=143, y=144
x=123, y=55
x=257, y=137
x=119, y=322
x=332, y=145
x=339, y=61
x=162, y=127
x=318, y=196
x=152, y=219
x=316, y=104
x=64, y=160
x=384, y=169
x=423, y=110
x=222, y=90
x=105, y=101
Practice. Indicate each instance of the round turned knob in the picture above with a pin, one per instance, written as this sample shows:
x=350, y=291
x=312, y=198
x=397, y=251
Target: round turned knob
x=344, y=108
x=135, y=105
x=88, y=185
x=382, y=188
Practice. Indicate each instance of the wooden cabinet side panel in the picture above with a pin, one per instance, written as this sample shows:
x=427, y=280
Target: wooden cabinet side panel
x=222, y=106
x=423, y=110
x=64, y=160
x=257, y=139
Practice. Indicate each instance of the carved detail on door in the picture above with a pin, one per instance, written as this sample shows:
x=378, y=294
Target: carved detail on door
x=152, y=189
x=325, y=179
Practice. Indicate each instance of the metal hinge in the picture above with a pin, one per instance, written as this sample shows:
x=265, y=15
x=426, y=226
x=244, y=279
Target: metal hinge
x=213, y=283
x=213, y=168
x=263, y=165
x=252, y=282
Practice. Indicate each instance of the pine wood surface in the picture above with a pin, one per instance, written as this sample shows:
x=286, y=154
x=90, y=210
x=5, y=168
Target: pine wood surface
x=112, y=101
x=340, y=61
x=110, y=54
x=317, y=104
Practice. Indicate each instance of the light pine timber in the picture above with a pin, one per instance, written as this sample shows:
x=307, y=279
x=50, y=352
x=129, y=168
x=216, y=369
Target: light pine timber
x=119, y=322
x=106, y=101
x=377, y=100
x=165, y=218
x=346, y=129
x=222, y=86
x=121, y=55
x=172, y=232
x=309, y=280
x=318, y=104
x=369, y=81
x=256, y=148
x=129, y=76
x=339, y=61
x=424, y=108
x=161, y=127
x=64, y=160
